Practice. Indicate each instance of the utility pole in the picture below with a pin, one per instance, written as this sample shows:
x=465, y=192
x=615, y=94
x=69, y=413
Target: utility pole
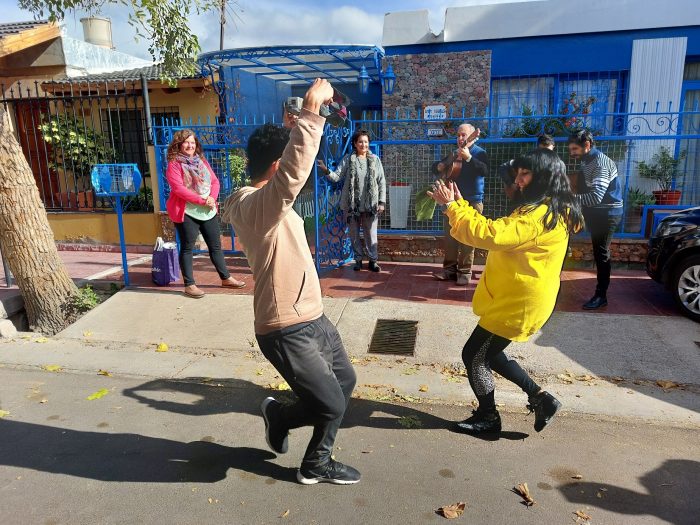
x=222, y=22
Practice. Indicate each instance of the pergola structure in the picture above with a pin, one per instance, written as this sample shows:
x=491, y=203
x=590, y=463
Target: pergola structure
x=299, y=64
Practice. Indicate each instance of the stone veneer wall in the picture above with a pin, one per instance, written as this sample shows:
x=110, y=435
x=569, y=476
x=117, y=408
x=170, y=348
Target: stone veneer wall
x=425, y=248
x=458, y=80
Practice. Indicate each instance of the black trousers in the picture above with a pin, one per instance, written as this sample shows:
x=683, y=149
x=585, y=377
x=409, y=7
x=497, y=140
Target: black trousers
x=312, y=359
x=602, y=226
x=484, y=352
x=188, y=231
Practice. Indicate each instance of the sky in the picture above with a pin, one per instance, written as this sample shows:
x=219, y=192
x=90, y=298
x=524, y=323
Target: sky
x=268, y=22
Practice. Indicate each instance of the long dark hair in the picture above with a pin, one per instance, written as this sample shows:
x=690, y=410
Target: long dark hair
x=550, y=186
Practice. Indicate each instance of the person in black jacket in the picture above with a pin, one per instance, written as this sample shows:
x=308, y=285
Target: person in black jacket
x=457, y=265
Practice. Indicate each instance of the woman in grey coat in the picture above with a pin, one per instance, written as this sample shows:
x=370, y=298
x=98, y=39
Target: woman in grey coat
x=363, y=197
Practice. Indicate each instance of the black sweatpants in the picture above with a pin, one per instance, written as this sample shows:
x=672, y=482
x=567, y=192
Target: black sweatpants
x=188, y=231
x=484, y=352
x=601, y=225
x=312, y=359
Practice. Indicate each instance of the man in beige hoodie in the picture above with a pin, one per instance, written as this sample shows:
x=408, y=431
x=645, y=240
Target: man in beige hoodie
x=291, y=329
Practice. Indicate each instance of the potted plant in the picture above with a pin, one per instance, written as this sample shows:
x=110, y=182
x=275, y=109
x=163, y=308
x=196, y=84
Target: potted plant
x=75, y=148
x=634, y=202
x=664, y=169
x=399, y=200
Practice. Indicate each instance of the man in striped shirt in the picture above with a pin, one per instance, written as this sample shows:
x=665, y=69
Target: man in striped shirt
x=600, y=194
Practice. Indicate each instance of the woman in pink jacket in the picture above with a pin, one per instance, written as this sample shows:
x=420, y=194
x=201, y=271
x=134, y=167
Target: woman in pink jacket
x=191, y=206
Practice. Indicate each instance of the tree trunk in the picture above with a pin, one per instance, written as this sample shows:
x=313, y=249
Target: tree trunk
x=27, y=240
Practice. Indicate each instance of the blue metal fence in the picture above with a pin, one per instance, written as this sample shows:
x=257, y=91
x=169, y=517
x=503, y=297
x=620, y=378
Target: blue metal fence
x=408, y=144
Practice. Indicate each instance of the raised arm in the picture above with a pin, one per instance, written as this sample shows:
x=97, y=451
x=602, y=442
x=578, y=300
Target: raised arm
x=468, y=226
x=272, y=202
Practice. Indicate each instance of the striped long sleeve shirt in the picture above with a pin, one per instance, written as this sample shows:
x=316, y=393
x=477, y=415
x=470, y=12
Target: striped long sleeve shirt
x=603, y=189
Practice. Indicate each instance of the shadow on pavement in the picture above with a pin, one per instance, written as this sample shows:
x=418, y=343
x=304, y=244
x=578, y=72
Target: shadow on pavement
x=670, y=494
x=215, y=397
x=128, y=457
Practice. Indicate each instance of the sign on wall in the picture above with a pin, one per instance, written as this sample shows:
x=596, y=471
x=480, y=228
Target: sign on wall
x=435, y=112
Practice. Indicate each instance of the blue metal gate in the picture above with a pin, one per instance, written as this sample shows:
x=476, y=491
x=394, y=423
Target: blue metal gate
x=318, y=204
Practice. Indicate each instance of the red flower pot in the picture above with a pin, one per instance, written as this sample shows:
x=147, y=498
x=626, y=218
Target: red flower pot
x=670, y=197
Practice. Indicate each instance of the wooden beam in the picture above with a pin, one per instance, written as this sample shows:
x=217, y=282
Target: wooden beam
x=25, y=39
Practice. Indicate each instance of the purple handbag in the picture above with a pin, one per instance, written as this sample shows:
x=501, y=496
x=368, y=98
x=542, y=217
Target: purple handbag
x=165, y=267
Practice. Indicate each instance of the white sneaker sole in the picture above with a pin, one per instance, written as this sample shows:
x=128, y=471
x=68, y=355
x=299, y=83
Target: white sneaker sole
x=313, y=481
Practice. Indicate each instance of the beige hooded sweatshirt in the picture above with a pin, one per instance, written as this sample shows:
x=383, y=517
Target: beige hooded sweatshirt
x=287, y=289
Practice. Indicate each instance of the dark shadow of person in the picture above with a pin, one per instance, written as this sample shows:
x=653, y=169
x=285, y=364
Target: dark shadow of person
x=670, y=494
x=128, y=457
x=214, y=396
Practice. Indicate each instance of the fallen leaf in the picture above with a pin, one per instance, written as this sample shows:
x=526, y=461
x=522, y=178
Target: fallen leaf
x=258, y=372
x=87, y=333
x=162, y=347
x=423, y=388
x=97, y=395
x=565, y=378
x=451, y=511
x=285, y=514
x=367, y=451
x=4, y=413
x=280, y=386
x=599, y=495
x=354, y=360
x=618, y=379
x=667, y=385
x=585, y=377
x=577, y=476
x=41, y=340
x=410, y=371
x=44, y=401
x=52, y=368
x=582, y=515
x=101, y=372
x=523, y=491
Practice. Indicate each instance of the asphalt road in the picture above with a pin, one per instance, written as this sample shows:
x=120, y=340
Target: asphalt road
x=193, y=452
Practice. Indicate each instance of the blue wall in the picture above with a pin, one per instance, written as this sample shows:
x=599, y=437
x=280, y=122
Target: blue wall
x=259, y=96
x=360, y=102
x=592, y=52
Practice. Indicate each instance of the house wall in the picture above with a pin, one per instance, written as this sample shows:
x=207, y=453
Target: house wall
x=192, y=103
x=102, y=228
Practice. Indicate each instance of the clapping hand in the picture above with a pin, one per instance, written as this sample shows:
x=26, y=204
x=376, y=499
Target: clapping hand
x=444, y=193
x=210, y=202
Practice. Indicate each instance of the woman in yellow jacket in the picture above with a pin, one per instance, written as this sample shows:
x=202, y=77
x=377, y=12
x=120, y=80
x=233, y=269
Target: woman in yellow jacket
x=517, y=291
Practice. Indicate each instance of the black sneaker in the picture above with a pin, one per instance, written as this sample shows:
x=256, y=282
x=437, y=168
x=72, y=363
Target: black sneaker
x=544, y=405
x=333, y=472
x=275, y=436
x=373, y=266
x=358, y=265
x=595, y=302
x=480, y=423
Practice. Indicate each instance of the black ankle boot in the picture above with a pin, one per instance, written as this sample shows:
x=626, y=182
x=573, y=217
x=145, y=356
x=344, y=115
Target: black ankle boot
x=374, y=267
x=481, y=422
x=544, y=405
x=358, y=265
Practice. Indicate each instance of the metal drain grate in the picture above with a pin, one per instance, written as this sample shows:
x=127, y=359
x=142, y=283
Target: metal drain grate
x=394, y=337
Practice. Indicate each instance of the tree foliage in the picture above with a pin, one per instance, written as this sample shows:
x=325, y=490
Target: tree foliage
x=165, y=24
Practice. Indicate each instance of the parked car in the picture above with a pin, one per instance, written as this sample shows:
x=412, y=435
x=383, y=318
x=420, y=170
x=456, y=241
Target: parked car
x=674, y=259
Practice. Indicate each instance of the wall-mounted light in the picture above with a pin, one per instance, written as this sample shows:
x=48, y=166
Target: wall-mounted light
x=388, y=79
x=363, y=79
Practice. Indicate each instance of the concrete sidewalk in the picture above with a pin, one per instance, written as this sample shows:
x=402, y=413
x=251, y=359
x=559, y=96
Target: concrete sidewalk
x=596, y=363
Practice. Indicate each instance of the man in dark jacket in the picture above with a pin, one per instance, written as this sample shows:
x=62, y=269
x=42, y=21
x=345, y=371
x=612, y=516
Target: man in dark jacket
x=457, y=265
x=601, y=201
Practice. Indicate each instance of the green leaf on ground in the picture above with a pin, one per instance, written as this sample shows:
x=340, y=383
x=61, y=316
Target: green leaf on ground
x=97, y=395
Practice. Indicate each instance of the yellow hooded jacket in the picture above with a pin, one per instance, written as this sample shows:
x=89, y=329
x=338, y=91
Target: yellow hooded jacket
x=517, y=291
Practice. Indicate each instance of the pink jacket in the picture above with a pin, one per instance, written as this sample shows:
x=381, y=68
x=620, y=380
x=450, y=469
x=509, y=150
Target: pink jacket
x=180, y=195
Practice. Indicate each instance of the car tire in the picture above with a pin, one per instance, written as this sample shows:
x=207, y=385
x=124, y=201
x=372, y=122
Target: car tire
x=686, y=287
